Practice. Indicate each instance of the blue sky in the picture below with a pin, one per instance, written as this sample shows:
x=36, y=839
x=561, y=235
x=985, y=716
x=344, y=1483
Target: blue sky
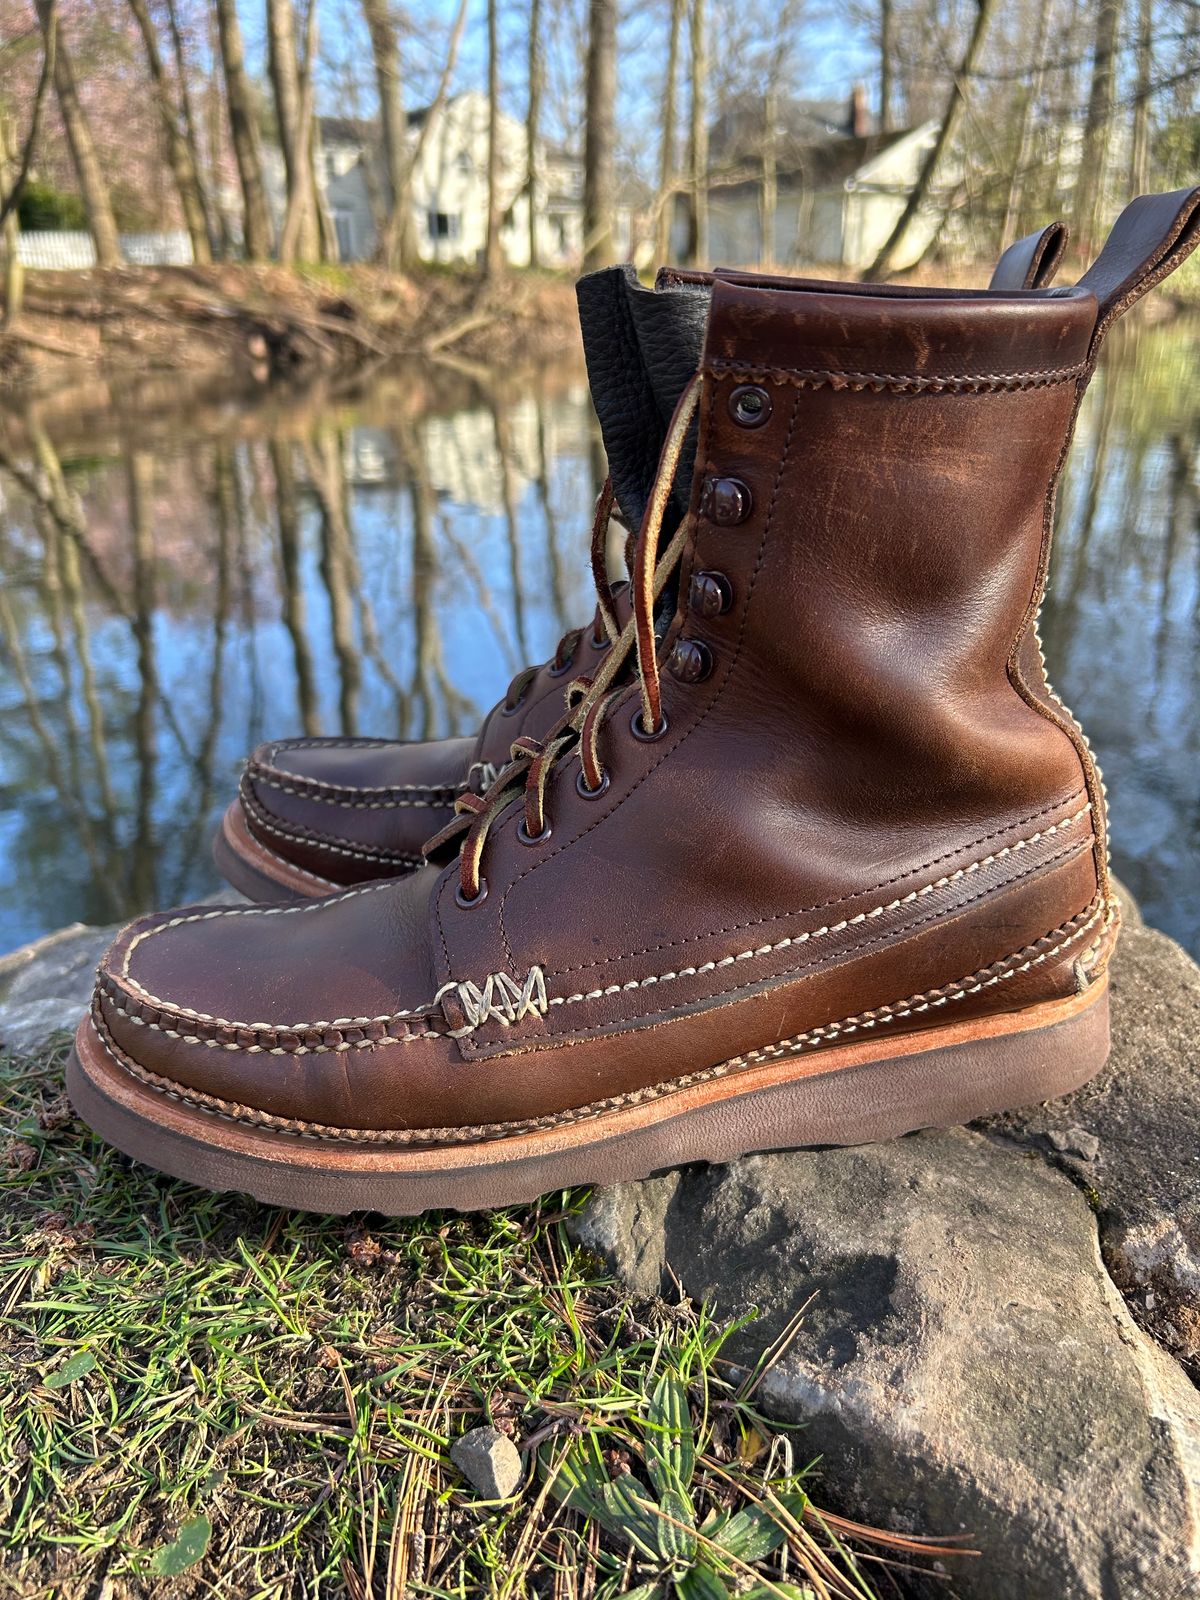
x=832, y=53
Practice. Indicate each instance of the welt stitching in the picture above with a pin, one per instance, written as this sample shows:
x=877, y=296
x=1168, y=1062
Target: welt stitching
x=302, y=835
x=291, y=865
x=445, y=797
x=168, y=1007
x=827, y=905
x=719, y=689
x=1059, y=857
x=326, y=1047
x=997, y=972
x=901, y=382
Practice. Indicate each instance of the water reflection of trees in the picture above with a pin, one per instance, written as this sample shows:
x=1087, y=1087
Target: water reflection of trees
x=1122, y=618
x=172, y=598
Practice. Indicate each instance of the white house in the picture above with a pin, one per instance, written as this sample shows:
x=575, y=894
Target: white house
x=450, y=186
x=839, y=191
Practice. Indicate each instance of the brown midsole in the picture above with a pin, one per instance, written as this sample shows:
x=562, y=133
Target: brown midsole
x=875, y=1088
x=258, y=872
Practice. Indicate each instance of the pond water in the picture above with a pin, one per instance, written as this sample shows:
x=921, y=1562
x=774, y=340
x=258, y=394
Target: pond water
x=382, y=562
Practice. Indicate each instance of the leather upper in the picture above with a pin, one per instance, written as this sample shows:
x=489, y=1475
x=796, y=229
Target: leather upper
x=861, y=814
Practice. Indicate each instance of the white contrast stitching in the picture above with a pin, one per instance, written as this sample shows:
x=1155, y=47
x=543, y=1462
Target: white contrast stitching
x=918, y=1004
x=274, y=1050
x=557, y=1000
x=306, y=836
x=835, y=927
x=362, y=805
x=501, y=1000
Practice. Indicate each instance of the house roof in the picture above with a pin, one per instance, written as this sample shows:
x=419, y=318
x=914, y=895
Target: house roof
x=835, y=162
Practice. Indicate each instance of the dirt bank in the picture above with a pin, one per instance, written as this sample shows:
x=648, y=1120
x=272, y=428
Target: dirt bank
x=257, y=325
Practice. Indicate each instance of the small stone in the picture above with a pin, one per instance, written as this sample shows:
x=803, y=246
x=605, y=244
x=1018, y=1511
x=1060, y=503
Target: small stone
x=1075, y=1142
x=489, y=1461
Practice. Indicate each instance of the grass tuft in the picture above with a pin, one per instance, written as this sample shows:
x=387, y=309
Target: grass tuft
x=255, y=1403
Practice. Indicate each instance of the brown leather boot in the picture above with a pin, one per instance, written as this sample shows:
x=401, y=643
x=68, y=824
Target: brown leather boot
x=315, y=815
x=821, y=864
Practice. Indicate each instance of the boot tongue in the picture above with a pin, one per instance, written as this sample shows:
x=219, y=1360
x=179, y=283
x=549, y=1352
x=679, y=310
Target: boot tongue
x=642, y=346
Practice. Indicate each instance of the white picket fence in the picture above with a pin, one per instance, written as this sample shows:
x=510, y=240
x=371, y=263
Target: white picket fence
x=74, y=251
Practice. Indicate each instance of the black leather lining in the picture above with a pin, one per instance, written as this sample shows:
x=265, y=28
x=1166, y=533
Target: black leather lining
x=642, y=346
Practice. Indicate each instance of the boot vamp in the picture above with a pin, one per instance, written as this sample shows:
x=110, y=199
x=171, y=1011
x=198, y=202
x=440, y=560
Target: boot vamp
x=352, y=809
x=320, y=1013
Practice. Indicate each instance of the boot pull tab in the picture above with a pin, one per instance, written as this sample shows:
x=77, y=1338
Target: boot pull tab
x=1031, y=262
x=1153, y=235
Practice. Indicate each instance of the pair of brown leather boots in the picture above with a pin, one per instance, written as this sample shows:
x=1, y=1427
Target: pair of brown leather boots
x=793, y=844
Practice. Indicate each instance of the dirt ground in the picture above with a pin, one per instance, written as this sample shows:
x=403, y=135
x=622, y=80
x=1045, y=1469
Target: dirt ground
x=257, y=325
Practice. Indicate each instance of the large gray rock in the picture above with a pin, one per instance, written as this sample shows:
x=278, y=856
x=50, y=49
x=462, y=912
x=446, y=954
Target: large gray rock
x=1143, y=1111
x=964, y=1361
x=46, y=986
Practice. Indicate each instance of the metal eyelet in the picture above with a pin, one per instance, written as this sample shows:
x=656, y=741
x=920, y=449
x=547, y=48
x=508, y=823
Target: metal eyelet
x=555, y=671
x=581, y=786
x=524, y=835
x=510, y=711
x=476, y=899
x=750, y=405
x=598, y=644
x=640, y=731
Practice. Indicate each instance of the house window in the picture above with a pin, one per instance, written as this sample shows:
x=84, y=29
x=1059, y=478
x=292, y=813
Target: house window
x=443, y=225
x=463, y=162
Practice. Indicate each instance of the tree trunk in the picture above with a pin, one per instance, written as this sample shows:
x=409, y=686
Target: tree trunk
x=699, y=136
x=769, y=196
x=399, y=241
x=532, y=123
x=1139, y=155
x=882, y=265
x=1089, y=198
x=101, y=223
x=243, y=127
x=14, y=272
x=183, y=169
x=599, y=170
x=666, y=153
x=290, y=95
x=885, y=66
x=1024, y=155
x=211, y=226
x=493, y=260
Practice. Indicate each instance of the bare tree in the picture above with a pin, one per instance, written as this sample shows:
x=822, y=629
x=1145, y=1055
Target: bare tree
x=292, y=89
x=1139, y=155
x=179, y=152
x=951, y=117
x=666, y=149
x=493, y=259
x=243, y=127
x=187, y=112
x=102, y=224
x=1089, y=195
x=399, y=234
x=16, y=163
x=886, y=48
x=698, y=253
x=599, y=168
x=532, y=123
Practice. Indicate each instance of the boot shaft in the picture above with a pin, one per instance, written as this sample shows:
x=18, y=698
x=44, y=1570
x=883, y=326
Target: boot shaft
x=861, y=784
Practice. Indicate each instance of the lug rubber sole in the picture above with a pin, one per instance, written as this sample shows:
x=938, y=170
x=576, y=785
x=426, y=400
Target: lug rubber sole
x=875, y=1088
x=257, y=872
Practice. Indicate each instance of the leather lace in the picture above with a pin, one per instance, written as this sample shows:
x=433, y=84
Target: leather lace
x=589, y=700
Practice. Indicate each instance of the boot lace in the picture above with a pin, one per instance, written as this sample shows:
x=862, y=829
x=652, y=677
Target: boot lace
x=589, y=700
